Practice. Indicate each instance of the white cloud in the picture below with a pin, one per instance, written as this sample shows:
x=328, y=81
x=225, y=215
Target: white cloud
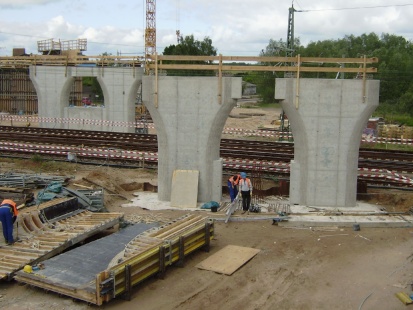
x=236, y=27
x=23, y=3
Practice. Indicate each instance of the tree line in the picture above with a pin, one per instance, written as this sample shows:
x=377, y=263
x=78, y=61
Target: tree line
x=394, y=69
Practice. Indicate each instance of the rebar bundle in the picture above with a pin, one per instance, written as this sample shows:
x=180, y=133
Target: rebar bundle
x=28, y=180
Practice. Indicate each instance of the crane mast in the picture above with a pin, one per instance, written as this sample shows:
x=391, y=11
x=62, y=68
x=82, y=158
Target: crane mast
x=150, y=31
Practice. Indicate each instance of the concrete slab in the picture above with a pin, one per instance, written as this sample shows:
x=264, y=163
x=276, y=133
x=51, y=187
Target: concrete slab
x=371, y=221
x=184, y=188
x=364, y=214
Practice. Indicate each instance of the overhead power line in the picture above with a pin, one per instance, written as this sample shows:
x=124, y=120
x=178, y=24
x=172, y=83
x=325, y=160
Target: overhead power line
x=359, y=7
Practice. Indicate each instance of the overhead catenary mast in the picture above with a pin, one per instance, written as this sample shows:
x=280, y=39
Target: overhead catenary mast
x=290, y=31
x=289, y=53
x=178, y=32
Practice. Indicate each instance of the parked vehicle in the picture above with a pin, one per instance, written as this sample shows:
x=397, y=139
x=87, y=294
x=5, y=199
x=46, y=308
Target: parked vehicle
x=86, y=101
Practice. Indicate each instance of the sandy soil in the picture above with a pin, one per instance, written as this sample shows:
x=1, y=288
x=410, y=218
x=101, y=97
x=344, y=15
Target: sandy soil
x=324, y=268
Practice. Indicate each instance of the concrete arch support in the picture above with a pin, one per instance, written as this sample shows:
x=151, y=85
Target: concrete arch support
x=52, y=86
x=327, y=118
x=189, y=121
x=119, y=85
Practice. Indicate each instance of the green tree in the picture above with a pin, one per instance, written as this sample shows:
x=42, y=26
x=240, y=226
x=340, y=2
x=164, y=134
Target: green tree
x=192, y=47
x=265, y=81
x=395, y=66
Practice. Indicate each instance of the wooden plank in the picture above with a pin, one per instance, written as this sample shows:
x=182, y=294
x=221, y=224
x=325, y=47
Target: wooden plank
x=184, y=192
x=175, y=227
x=228, y=260
x=79, y=294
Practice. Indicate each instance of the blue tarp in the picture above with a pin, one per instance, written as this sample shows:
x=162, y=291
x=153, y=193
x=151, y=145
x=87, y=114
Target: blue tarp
x=210, y=204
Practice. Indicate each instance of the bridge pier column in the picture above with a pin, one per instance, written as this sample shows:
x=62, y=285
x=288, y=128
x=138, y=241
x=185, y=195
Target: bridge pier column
x=189, y=121
x=119, y=85
x=327, y=118
x=52, y=86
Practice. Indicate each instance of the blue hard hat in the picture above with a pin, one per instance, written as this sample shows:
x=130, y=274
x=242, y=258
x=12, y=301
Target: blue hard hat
x=243, y=175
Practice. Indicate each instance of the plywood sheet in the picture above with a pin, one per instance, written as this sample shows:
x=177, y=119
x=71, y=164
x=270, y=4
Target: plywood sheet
x=228, y=260
x=184, y=192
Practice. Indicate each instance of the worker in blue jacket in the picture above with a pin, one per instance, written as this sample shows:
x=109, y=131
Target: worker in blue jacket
x=8, y=215
x=233, y=186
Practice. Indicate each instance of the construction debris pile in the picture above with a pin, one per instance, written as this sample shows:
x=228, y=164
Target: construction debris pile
x=52, y=187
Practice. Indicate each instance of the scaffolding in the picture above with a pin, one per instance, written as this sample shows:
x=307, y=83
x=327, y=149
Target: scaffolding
x=18, y=95
x=50, y=46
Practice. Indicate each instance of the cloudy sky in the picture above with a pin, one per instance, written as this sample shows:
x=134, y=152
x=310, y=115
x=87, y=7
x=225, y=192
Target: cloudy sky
x=236, y=27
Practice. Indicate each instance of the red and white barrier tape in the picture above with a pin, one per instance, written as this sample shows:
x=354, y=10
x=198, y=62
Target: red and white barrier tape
x=236, y=131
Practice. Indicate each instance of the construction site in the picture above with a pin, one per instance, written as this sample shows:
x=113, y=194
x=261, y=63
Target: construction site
x=115, y=187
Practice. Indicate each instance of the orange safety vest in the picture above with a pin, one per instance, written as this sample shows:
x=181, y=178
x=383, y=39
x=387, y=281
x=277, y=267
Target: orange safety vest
x=12, y=204
x=236, y=181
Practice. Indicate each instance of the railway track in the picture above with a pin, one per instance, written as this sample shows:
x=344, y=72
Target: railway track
x=130, y=149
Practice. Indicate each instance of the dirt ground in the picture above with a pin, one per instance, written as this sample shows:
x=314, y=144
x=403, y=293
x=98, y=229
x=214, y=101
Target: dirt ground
x=323, y=268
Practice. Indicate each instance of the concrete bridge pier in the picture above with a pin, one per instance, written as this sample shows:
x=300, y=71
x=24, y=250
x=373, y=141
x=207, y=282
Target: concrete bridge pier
x=189, y=121
x=119, y=85
x=327, y=118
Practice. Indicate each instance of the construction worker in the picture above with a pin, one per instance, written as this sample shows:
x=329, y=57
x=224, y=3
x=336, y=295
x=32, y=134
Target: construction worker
x=245, y=188
x=233, y=186
x=8, y=215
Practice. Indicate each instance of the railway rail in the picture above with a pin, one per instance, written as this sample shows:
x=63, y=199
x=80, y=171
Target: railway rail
x=140, y=150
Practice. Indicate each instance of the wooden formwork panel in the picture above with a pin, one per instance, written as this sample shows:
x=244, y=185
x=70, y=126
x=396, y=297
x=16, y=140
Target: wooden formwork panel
x=44, y=240
x=147, y=254
x=18, y=95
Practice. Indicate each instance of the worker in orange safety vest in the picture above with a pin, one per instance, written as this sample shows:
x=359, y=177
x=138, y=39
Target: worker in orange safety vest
x=233, y=186
x=8, y=215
